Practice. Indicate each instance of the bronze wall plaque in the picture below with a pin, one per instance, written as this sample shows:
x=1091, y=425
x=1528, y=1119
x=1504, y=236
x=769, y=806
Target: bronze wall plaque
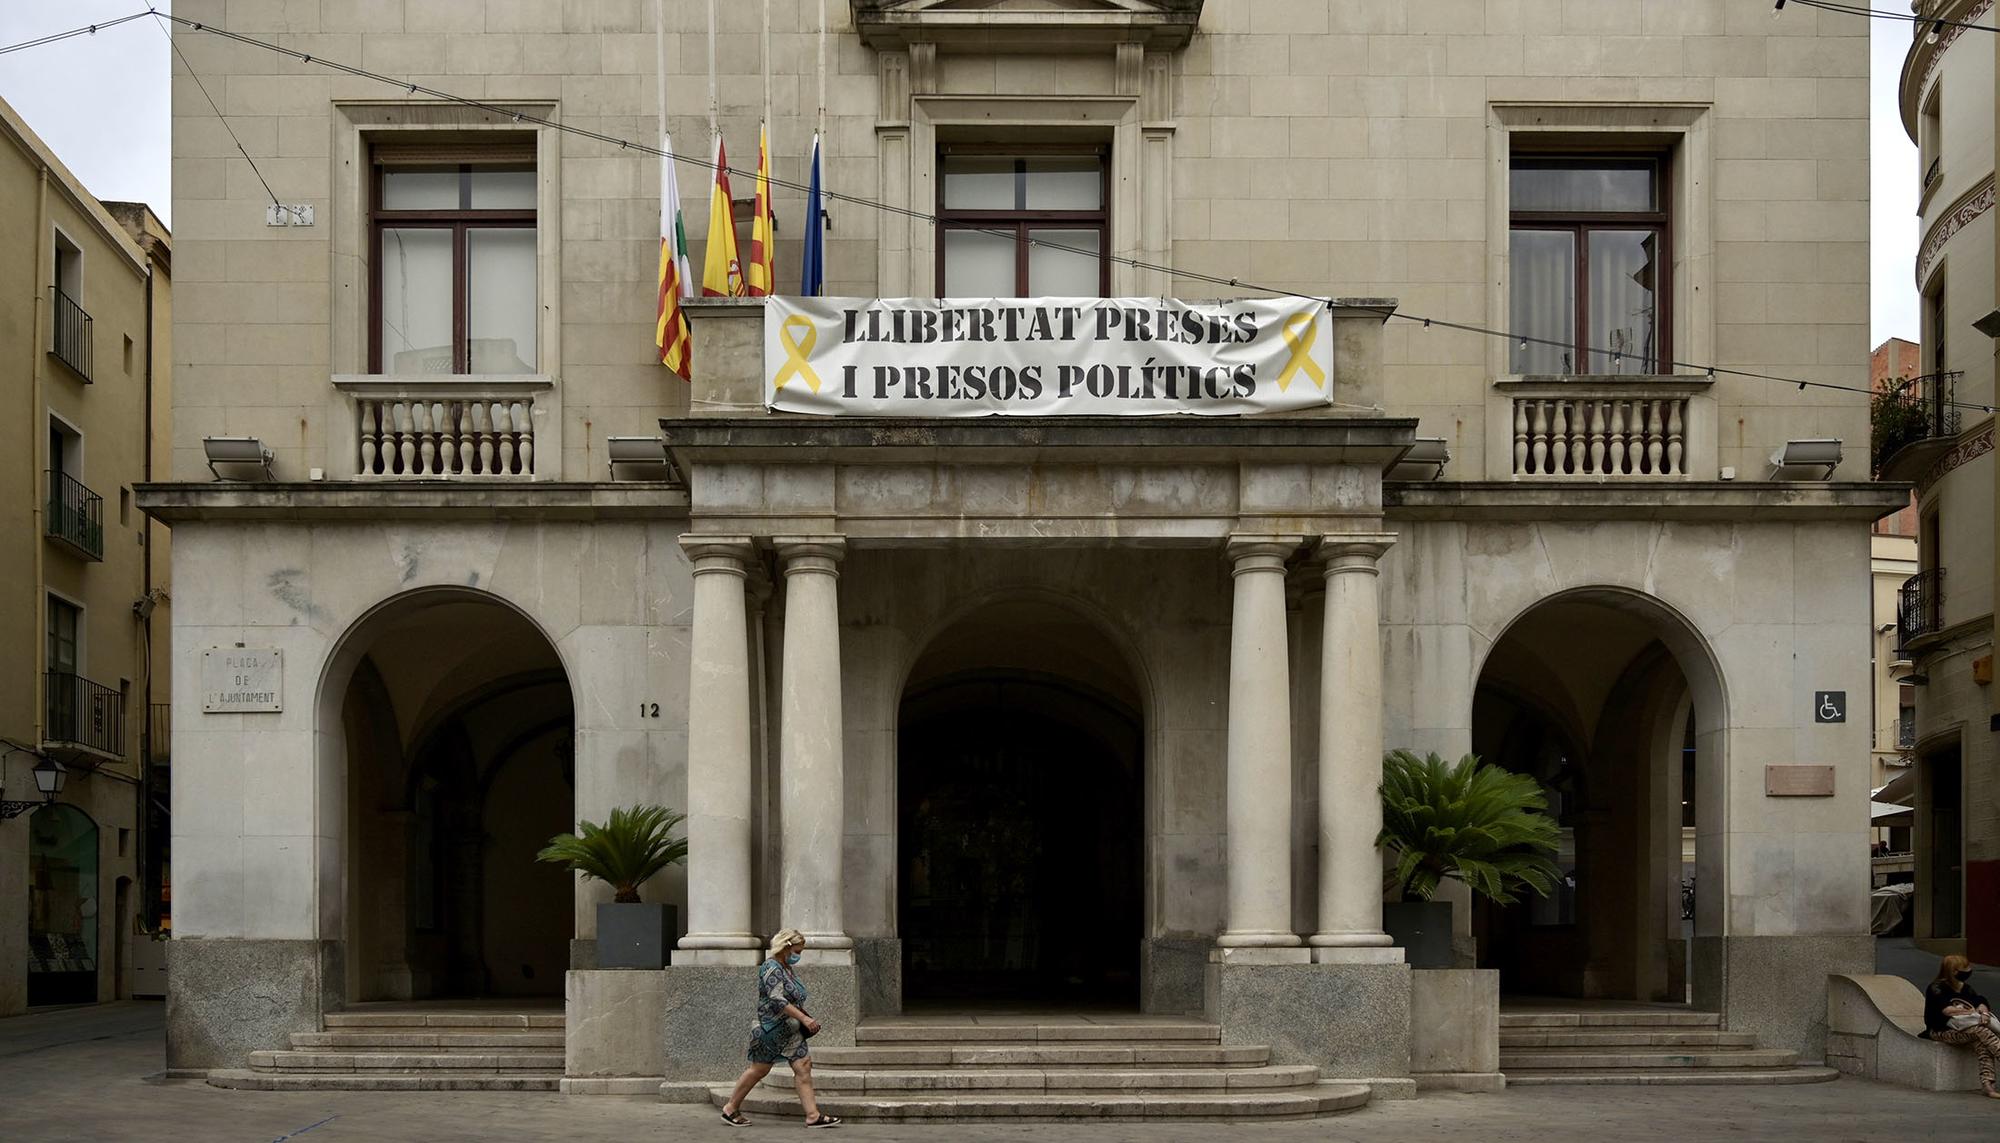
x=1798, y=781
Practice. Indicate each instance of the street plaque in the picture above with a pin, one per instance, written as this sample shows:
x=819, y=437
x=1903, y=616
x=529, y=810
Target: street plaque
x=1798, y=781
x=242, y=680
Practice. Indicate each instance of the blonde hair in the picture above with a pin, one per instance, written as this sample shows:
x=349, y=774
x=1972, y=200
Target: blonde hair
x=784, y=939
x=1948, y=970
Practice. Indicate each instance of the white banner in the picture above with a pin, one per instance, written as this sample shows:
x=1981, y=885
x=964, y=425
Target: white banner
x=973, y=357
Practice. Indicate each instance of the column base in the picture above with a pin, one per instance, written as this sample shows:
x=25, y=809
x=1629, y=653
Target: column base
x=1258, y=939
x=1351, y=1021
x=1357, y=954
x=719, y=958
x=1259, y=955
x=1352, y=939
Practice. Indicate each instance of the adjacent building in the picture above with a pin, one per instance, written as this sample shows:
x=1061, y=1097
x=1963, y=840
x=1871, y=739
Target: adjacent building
x=1052, y=711
x=84, y=326
x=1941, y=437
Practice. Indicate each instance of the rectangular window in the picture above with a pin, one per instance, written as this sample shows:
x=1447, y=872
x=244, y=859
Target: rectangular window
x=1934, y=302
x=1929, y=150
x=1022, y=224
x=1590, y=264
x=65, y=622
x=455, y=287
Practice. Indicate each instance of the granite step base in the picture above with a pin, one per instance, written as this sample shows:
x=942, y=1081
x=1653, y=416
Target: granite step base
x=245, y=1080
x=830, y=1080
x=1303, y=1103
x=1679, y=1077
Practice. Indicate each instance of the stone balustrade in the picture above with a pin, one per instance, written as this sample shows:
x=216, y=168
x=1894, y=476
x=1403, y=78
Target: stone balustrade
x=1590, y=429
x=473, y=429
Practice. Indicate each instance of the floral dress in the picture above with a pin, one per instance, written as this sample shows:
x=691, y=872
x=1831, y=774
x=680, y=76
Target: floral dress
x=775, y=1036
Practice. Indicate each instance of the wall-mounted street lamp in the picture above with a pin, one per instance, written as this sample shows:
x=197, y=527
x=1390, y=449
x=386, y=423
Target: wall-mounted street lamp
x=49, y=778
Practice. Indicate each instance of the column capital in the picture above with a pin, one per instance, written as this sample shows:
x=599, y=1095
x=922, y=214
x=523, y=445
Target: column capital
x=1251, y=551
x=725, y=554
x=1353, y=551
x=818, y=553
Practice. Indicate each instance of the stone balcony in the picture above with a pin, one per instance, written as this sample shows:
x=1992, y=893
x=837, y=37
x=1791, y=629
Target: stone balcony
x=1593, y=428
x=471, y=428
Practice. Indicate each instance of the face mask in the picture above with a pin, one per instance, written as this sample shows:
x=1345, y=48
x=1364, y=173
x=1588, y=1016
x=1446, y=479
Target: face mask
x=1965, y=976
x=794, y=959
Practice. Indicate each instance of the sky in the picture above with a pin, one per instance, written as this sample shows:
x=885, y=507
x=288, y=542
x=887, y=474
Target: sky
x=69, y=92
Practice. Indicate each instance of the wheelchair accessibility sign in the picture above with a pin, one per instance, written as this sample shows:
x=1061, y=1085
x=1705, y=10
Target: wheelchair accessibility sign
x=1829, y=706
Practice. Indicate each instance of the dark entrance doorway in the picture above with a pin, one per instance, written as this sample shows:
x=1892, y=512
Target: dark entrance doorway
x=1021, y=827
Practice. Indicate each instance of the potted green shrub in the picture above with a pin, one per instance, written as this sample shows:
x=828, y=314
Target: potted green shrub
x=1477, y=823
x=632, y=845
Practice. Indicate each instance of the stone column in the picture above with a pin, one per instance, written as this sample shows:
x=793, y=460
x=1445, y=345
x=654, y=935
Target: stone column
x=1259, y=751
x=718, y=767
x=811, y=796
x=1350, y=754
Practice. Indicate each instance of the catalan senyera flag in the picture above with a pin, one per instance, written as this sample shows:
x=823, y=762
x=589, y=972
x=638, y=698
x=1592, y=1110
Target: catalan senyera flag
x=670, y=332
x=721, y=272
x=760, y=272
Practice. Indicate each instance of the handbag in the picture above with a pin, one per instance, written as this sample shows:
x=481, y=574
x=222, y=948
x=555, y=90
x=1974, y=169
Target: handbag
x=1972, y=1020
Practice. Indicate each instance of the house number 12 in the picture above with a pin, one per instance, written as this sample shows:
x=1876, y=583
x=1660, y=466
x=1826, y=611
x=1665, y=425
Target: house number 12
x=649, y=710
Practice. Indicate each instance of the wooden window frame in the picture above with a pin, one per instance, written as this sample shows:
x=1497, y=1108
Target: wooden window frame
x=1579, y=225
x=459, y=222
x=1021, y=221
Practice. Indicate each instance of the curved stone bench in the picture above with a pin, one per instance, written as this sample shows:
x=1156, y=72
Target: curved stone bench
x=1873, y=1030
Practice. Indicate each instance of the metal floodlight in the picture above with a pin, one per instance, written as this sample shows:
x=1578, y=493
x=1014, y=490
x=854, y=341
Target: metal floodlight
x=239, y=453
x=639, y=458
x=1425, y=460
x=1819, y=453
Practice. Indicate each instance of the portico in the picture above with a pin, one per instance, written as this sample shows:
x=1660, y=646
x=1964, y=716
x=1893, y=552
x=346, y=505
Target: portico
x=1173, y=544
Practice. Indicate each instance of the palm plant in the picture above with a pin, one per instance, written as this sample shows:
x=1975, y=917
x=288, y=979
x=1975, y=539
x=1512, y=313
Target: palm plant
x=1483, y=825
x=631, y=846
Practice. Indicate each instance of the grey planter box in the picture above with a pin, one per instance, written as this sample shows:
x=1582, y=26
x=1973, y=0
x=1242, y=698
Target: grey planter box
x=1422, y=929
x=635, y=936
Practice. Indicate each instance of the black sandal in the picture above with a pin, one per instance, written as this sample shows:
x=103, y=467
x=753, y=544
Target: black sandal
x=735, y=1118
x=825, y=1120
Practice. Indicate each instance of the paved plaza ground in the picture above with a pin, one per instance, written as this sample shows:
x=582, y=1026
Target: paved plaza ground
x=92, y=1074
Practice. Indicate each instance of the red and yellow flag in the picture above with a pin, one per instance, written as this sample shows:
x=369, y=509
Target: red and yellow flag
x=762, y=274
x=721, y=272
x=670, y=331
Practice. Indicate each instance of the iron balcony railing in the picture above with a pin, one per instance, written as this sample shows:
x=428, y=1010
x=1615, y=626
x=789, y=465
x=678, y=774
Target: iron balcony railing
x=83, y=713
x=75, y=516
x=70, y=339
x=1919, y=606
x=159, y=734
x=1931, y=172
x=1919, y=409
x=1906, y=728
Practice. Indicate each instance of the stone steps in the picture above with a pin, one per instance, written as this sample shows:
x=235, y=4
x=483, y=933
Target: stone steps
x=1640, y=1046
x=1593, y=1059
x=1292, y=1103
x=1634, y=1038
x=1043, y=1055
x=1053, y=1070
x=1052, y=1080
x=1626, y=1018
x=401, y=1050
x=497, y=1041
x=1685, y=1077
x=400, y=1062
x=898, y=1032
x=310, y=1081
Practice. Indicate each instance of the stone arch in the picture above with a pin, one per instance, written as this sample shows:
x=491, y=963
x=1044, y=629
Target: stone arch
x=1641, y=682
x=417, y=673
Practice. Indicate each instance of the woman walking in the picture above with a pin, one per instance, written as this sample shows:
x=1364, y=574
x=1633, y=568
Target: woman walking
x=1955, y=1014
x=779, y=1032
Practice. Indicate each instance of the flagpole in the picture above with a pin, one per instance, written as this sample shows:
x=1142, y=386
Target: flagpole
x=714, y=108
x=660, y=50
x=819, y=119
x=767, y=64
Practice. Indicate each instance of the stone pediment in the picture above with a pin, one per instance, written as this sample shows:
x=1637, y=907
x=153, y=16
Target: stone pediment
x=1025, y=25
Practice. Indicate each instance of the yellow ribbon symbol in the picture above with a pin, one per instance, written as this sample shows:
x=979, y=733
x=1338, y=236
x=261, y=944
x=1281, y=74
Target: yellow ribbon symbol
x=1301, y=347
x=796, y=350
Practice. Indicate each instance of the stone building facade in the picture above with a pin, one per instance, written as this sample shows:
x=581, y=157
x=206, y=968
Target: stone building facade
x=85, y=316
x=886, y=665
x=1946, y=622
